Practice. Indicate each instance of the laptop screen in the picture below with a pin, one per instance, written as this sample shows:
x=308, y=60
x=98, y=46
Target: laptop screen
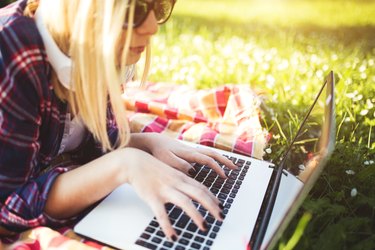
x=311, y=148
x=313, y=140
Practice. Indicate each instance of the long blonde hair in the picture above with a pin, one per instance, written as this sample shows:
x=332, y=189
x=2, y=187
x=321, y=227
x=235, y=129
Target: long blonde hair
x=89, y=31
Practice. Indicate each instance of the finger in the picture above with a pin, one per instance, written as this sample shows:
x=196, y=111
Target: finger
x=163, y=219
x=207, y=160
x=181, y=165
x=218, y=157
x=185, y=203
x=178, y=163
x=201, y=194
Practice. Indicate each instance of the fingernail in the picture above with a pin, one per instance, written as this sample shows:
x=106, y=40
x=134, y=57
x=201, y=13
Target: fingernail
x=221, y=206
x=205, y=226
x=192, y=172
x=174, y=237
x=222, y=216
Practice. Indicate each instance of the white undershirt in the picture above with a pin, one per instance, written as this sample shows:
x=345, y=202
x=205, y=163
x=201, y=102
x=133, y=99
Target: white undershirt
x=74, y=133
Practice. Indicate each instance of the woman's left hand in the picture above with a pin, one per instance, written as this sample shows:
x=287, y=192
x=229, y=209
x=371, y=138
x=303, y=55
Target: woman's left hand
x=179, y=155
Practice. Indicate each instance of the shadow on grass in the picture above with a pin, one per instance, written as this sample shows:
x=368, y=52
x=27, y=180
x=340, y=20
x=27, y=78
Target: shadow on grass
x=362, y=37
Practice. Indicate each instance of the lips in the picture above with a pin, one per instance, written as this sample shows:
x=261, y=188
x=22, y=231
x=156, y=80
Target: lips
x=137, y=50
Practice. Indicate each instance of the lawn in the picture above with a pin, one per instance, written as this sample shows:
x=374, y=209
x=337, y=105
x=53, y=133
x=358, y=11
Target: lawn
x=284, y=49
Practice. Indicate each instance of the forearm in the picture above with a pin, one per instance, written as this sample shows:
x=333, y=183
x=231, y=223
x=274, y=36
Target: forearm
x=74, y=191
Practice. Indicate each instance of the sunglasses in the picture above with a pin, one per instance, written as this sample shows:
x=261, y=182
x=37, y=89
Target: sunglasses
x=162, y=9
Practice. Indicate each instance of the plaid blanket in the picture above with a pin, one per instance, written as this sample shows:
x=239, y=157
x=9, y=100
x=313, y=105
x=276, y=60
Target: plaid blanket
x=226, y=117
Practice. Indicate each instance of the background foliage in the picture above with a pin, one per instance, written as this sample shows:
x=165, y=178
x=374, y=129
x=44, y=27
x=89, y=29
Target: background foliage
x=284, y=48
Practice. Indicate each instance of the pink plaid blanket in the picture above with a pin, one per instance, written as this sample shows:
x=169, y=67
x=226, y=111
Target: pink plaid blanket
x=226, y=117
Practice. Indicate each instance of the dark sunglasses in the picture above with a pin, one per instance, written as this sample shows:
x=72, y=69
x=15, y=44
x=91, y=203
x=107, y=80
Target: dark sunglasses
x=162, y=9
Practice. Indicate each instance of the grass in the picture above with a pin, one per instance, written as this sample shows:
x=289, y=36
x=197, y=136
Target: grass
x=284, y=49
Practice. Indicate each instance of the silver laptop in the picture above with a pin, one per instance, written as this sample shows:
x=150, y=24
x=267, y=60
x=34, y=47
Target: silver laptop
x=122, y=220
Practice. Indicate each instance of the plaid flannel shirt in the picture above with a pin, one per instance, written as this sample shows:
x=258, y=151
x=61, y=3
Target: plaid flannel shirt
x=32, y=121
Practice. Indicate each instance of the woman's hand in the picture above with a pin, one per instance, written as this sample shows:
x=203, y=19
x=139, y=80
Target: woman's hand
x=179, y=155
x=157, y=184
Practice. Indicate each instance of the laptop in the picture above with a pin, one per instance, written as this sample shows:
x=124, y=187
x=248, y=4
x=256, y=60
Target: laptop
x=259, y=198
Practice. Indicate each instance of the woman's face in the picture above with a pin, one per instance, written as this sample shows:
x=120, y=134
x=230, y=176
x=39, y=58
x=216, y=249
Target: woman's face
x=140, y=38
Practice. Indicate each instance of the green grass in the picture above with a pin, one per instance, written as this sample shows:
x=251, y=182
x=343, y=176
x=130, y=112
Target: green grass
x=284, y=49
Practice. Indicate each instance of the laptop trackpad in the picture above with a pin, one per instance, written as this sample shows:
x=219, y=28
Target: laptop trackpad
x=123, y=215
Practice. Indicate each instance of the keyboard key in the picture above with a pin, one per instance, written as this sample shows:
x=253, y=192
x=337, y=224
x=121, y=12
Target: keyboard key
x=184, y=241
x=215, y=229
x=230, y=181
x=192, y=227
x=203, y=233
x=241, y=161
x=213, y=235
x=169, y=206
x=168, y=244
x=179, y=247
x=184, y=219
x=195, y=245
x=145, y=244
x=214, y=190
x=145, y=236
x=210, y=219
x=175, y=213
x=154, y=223
x=199, y=239
x=209, y=242
x=156, y=240
x=187, y=235
x=207, y=184
x=225, y=190
x=160, y=233
x=150, y=229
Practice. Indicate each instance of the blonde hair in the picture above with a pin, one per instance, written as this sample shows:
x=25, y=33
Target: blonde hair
x=89, y=31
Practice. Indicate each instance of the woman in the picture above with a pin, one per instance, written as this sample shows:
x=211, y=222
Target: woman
x=64, y=137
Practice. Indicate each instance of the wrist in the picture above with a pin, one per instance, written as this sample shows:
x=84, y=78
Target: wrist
x=126, y=160
x=143, y=141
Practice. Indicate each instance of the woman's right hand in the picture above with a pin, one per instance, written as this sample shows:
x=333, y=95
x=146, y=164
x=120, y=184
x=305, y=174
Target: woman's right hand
x=157, y=184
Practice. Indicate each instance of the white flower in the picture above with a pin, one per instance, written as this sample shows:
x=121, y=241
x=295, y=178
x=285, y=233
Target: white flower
x=350, y=172
x=370, y=162
x=354, y=192
x=276, y=136
x=268, y=150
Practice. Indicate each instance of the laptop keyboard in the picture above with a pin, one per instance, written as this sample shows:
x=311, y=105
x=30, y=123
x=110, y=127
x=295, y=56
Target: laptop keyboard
x=189, y=235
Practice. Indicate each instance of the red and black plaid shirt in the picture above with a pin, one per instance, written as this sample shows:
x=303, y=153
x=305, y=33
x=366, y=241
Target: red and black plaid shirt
x=32, y=121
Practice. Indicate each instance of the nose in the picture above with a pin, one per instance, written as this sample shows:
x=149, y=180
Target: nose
x=149, y=26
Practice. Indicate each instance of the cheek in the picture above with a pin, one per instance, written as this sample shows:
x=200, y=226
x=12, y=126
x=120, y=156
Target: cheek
x=120, y=47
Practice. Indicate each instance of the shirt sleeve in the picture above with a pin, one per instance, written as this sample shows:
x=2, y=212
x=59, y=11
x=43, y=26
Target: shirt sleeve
x=23, y=71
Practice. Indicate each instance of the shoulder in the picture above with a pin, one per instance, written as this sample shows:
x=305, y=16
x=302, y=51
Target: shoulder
x=24, y=69
x=18, y=34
